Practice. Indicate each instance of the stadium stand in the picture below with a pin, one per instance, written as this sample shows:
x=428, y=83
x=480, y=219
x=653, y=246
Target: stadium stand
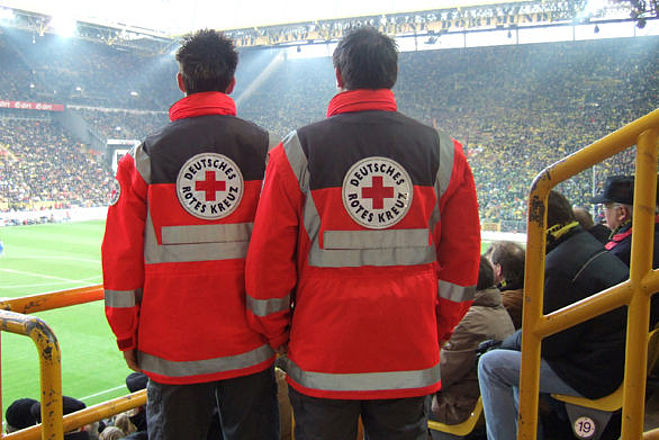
x=515, y=108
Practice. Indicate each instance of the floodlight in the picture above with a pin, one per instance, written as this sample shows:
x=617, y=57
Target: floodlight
x=64, y=26
x=7, y=14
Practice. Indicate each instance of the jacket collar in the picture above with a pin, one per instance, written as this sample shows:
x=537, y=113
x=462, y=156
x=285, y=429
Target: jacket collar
x=622, y=232
x=490, y=297
x=362, y=100
x=201, y=104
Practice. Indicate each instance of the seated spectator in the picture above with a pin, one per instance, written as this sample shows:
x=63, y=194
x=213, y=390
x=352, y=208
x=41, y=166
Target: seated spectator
x=585, y=360
x=19, y=416
x=507, y=259
x=69, y=405
x=137, y=381
x=485, y=319
x=618, y=200
x=112, y=433
x=599, y=231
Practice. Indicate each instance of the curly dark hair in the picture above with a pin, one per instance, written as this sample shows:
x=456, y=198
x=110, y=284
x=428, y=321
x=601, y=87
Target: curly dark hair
x=207, y=61
x=367, y=59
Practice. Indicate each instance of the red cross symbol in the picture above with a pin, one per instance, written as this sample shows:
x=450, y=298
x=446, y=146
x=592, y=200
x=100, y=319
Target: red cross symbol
x=378, y=192
x=210, y=186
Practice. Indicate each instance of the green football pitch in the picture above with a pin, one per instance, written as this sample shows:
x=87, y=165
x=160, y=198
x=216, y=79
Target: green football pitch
x=47, y=258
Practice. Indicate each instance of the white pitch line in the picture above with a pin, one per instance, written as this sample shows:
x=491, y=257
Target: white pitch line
x=103, y=392
x=34, y=274
x=95, y=279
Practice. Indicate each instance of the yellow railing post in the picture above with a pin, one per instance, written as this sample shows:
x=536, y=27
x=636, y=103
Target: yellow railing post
x=50, y=368
x=638, y=321
x=635, y=292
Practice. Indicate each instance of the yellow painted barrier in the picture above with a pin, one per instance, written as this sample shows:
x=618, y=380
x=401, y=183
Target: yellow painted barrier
x=635, y=292
x=13, y=319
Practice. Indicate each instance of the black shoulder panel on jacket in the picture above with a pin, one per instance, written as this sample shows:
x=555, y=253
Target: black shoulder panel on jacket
x=241, y=141
x=333, y=145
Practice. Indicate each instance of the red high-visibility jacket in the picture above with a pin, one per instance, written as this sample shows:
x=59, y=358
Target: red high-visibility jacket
x=175, y=244
x=365, y=250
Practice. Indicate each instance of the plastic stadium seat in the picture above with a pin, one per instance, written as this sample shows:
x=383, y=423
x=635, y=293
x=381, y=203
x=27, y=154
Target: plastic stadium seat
x=589, y=417
x=461, y=429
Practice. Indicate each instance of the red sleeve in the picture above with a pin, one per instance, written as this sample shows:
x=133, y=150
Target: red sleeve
x=123, y=254
x=271, y=271
x=458, y=251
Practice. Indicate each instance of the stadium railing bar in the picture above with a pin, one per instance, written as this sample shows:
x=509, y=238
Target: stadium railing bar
x=634, y=293
x=14, y=319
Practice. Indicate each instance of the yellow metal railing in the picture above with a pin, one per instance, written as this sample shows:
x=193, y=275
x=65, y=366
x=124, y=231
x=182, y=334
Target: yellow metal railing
x=634, y=292
x=14, y=320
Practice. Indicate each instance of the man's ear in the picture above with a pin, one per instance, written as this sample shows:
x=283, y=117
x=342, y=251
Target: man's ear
x=623, y=214
x=181, y=84
x=339, y=79
x=231, y=85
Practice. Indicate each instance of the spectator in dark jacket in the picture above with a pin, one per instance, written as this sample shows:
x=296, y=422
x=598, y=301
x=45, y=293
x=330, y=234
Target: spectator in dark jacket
x=584, y=360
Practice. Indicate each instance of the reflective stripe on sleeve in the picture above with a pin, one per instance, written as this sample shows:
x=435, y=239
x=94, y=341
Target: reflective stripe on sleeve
x=389, y=380
x=181, y=253
x=122, y=298
x=264, y=307
x=169, y=368
x=444, y=173
x=456, y=293
x=193, y=234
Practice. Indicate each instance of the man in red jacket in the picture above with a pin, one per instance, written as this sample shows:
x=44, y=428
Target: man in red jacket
x=174, y=254
x=364, y=254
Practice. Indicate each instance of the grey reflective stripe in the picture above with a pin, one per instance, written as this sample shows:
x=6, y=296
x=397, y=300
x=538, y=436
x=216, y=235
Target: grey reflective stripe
x=446, y=153
x=224, y=233
x=389, y=380
x=264, y=307
x=394, y=238
x=297, y=159
x=444, y=172
x=371, y=257
x=122, y=298
x=181, y=253
x=456, y=293
x=142, y=162
x=164, y=367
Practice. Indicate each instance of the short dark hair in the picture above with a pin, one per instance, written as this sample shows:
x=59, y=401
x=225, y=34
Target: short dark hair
x=367, y=59
x=559, y=210
x=510, y=256
x=207, y=61
x=485, y=274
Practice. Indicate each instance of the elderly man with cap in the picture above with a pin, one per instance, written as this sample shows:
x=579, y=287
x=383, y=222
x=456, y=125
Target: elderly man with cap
x=618, y=200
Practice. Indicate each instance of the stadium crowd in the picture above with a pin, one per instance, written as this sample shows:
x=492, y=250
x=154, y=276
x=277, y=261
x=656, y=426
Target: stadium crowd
x=515, y=108
x=43, y=167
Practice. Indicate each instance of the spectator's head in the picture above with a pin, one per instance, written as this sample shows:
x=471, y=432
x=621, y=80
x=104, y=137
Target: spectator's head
x=559, y=211
x=583, y=217
x=507, y=260
x=19, y=416
x=366, y=59
x=136, y=381
x=485, y=274
x=207, y=63
x=617, y=197
x=112, y=433
x=69, y=405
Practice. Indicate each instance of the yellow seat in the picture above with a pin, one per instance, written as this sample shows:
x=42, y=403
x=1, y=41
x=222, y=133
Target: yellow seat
x=589, y=417
x=461, y=429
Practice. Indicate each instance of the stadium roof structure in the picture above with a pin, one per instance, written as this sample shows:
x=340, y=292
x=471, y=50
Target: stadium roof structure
x=86, y=21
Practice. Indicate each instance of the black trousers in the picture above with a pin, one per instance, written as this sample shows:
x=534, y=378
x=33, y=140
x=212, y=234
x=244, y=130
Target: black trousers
x=247, y=406
x=336, y=419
